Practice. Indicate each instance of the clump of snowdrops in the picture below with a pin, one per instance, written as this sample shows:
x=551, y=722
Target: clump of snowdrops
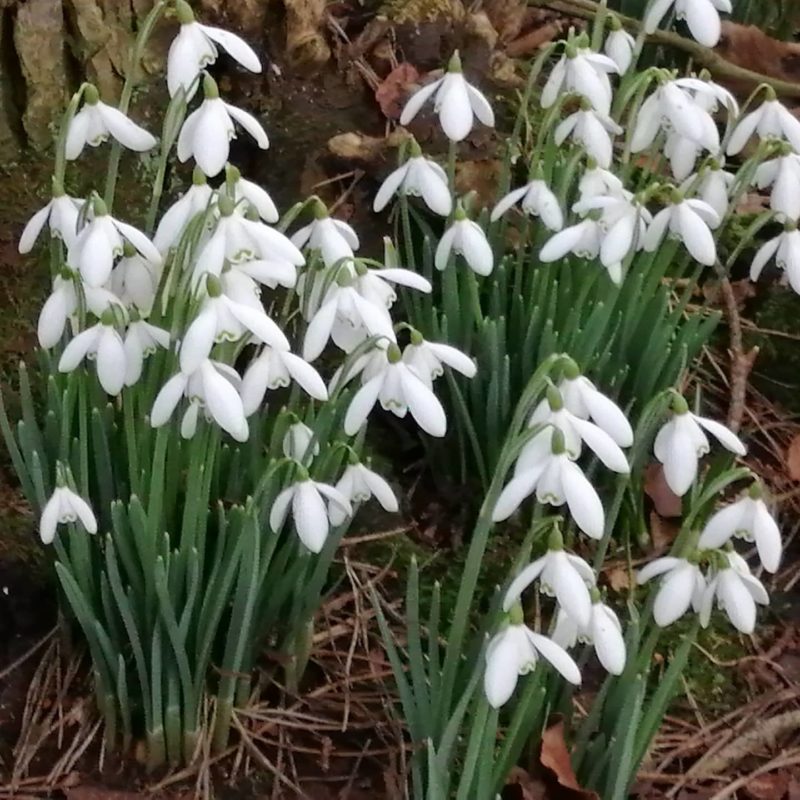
x=630, y=179
x=192, y=469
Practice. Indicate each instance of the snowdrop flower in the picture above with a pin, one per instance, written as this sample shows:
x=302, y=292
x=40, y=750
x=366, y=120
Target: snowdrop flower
x=581, y=71
x=96, y=121
x=251, y=195
x=134, y=280
x=344, y=306
x=515, y=651
x=101, y=240
x=736, y=592
x=603, y=632
x=240, y=240
x=583, y=239
x=712, y=185
x=274, y=368
x=598, y=181
x=428, y=359
x=681, y=442
x=225, y=319
x=783, y=174
x=455, y=101
x=620, y=46
x=399, y=389
x=334, y=239
x=750, y=519
x=561, y=575
x=195, y=48
x=297, y=440
x=212, y=387
x=690, y=221
x=467, y=239
x=377, y=285
x=103, y=344
x=771, y=120
x=557, y=480
x=785, y=248
x=673, y=108
x=702, y=17
x=207, y=132
x=682, y=585
x=623, y=221
x=418, y=177
x=553, y=414
x=141, y=340
x=60, y=215
x=194, y=201
x=586, y=401
x=310, y=513
x=64, y=506
x=359, y=484
x=537, y=201
x=592, y=130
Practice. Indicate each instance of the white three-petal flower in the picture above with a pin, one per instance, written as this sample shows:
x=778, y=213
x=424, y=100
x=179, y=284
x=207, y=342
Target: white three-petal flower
x=65, y=506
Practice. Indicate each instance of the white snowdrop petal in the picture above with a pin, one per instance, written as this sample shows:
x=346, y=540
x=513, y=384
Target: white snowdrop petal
x=422, y=403
x=570, y=589
x=235, y=46
x=656, y=568
x=389, y=187
x=583, y=501
x=124, y=130
x=306, y=376
x=280, y=508
x=33, y=228
x=250, y=124
x=417, y=100
x=674, y=596
x=768, y=538
x=721, y=527
x=455, y=110
x=736, y=601
x=319, y=331
x=381, y=490
x=111, y=362
x=83, y=512
x=501, y=675
x=523, y=581
x=224, y=404
x=609, y=643
x=77, y=349
x=515, y=491
x=511, y=199
x=310, y=516
x=727, y=438
x=167, y=400
x=362, y=403
x=557, y=657
x=480, y=105
x=48, y=522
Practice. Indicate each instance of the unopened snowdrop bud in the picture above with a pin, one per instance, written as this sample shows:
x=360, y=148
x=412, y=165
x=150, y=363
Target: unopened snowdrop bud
x=681, y=442
x=428, y=359
x=785, y=249
x=195, y=48
x=359, y=484
x=592, y=130
x=581, y=71
x=736, y=592
x=63, y=507
x=335, y=240
x=60, y=215
x=771, y=120
x=57, y=309
x=418, y=177
x=96, y=121
x=399, y=389
x=702, y=17
x=682, y=586
x=467, y=239
x=455, y=101
x=515, y=651
x=620, y=46
x=690, y=221
x=586, y=401
x=310, y=512
x=537, y=201
x=750, y=519
x=102, y=343
x=603, y=632
x=297, y=440
x=562, y=575
x=207, y=132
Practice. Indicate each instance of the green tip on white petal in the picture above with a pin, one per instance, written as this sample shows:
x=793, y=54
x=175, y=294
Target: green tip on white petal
x=769, y=94
x=90, y=94
x=571, y=50
x=99, y=207
x=210, y=88
x=460, y=215
x=675, y=196
x=554, y=398
x=516, y=616
x=198, y=177
x=416, y=337
x=183, y=11
x=594, y=593
x=454, y=65
x=679, y=404
x=393, y=354
x=225, y=205
x=320, y=209
x=128, y=250
x=213, y=286
x=557, y=443
x=570, y=369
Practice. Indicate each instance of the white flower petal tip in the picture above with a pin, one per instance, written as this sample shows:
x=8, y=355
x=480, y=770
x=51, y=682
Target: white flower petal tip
x=467, y=239
x=418, y=177
x=359, y=484
x=682, y=586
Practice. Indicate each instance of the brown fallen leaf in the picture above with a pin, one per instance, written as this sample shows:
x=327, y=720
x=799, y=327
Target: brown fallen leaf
x=793, y=459
x=749, y=47
x=522, y=786
x=666, y=502
x=395, y=89
x=481, y=176
x=618, y=578
x=663, y=532
x=533, y=40
x=555, y=758
x=771, y=786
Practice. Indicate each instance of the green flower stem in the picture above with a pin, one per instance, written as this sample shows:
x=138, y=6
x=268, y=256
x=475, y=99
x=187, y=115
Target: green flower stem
x=131, y=79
